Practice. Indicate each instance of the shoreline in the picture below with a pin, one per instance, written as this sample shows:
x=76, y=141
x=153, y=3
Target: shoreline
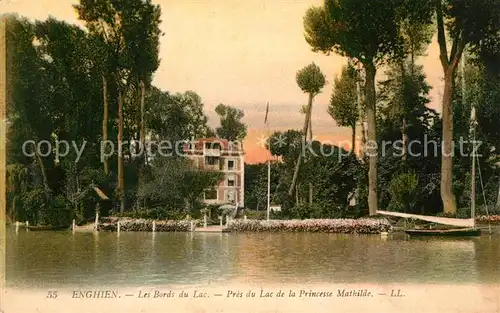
x=341, y=226
x=368, y=225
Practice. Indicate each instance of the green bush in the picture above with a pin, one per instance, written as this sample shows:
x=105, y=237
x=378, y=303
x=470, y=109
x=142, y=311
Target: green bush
x=306, y=210
x=404, y=192
x=156, y=213
x=255, y=215
x=56, y=213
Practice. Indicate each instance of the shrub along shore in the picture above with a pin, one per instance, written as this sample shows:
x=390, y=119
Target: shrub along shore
x=346, y=226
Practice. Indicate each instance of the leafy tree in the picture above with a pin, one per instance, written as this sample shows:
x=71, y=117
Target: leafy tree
x=343, y=106
x=481, y=87
x=56, y=76
x=286, y=145
x=231, y=126
x=416, y=31
x=368, y=34
x=334, y=172
x=403, y=98
x=165, y=116
x=131, y=31
x=468, y=23
x=105, y=19
x=28, y=111
x=52, y=96
x=143, y=32
x=17, y=186
x=65, y=54
x=177, y=116
x=311, y=80
x=256, y=184
x=255, y=188
x=101, y=20
x=423, y=161
x=176, y=185
x=194, y=109
x=486, y=85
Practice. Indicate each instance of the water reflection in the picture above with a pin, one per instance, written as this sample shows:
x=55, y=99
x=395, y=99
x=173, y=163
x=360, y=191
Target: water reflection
x=96, y=251
x=153, y=239
x=343, y=258
x=488, y=258
x=44, y=259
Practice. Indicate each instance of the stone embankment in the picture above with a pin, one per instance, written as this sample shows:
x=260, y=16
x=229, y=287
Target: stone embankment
x=130, y=224
x=344, y=226
x=485, y=219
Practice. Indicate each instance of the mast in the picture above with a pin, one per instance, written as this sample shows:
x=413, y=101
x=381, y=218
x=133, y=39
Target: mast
x=473, y=136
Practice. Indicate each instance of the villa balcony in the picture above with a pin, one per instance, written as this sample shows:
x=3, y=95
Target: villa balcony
x=213, y=152
x=211, y=167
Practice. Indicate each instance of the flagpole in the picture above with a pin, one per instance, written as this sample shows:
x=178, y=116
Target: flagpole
x=268, y=167
x=268, y=187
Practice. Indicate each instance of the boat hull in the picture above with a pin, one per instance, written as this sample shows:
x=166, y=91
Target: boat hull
x=456, y=232
x=48, y=228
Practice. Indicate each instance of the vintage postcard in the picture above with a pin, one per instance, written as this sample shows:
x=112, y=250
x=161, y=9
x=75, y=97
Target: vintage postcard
x=249, y=156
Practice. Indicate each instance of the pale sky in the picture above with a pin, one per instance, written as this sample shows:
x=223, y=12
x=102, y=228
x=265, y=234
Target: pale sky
x=241, y=53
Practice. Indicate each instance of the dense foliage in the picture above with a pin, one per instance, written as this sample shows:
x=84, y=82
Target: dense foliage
x=74, y=95
x=411, y=171
x=82, y=106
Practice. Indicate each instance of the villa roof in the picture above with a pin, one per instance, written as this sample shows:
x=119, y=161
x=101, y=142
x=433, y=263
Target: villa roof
x=225, y=144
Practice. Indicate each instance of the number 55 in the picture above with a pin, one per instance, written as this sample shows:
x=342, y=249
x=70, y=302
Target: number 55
x=52, y=295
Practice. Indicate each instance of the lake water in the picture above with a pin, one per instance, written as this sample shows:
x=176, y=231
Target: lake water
x=44, y=260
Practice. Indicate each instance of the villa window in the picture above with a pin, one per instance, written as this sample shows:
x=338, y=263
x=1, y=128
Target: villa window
x=210, y=160
x=230, y=165
x=212, y=145
x=230, y=182
x=229, y=195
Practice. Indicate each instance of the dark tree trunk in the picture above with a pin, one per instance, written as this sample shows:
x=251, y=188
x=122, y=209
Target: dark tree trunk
x=447, y=196
x=449, y=65
x=299, y=159
x=105, y=122
x=121, y=192
x=311, y=188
